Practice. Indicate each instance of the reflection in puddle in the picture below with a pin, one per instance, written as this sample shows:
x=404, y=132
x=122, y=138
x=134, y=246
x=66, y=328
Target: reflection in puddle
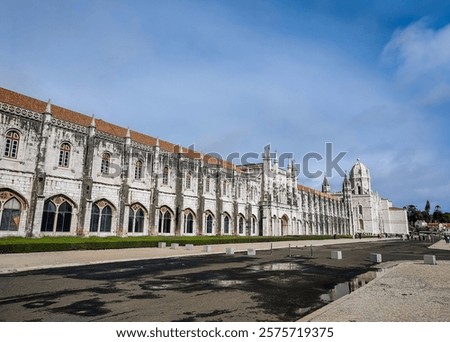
x=345, y=288
x=227, y=283
x=286, y=266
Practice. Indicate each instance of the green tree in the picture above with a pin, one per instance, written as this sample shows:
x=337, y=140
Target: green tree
x=413, y=214
x=426, y=213
x=438, y=216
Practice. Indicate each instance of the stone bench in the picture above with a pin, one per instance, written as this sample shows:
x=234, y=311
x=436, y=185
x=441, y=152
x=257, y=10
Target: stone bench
x=336, y=255
x=429, y=259
x=251, y=251
x=229, y=251
x=189, y=247
x=161, y=245
x=174, y=245
x=207, y=248
x=375, y=257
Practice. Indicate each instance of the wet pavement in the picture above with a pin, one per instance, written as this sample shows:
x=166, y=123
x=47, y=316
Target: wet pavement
x=278, y=285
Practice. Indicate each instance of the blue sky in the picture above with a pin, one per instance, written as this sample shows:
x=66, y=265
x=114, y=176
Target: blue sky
x=371, y=77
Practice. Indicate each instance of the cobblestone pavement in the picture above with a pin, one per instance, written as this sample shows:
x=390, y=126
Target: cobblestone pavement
x=409, y=291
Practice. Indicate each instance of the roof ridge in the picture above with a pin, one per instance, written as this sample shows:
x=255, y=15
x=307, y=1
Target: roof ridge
x=61, y=113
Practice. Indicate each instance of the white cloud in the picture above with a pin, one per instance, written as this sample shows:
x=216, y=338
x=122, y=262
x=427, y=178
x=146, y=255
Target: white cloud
x=421, y=56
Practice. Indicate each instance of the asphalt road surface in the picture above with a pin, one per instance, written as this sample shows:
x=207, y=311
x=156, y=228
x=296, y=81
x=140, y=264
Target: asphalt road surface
x=271, y=286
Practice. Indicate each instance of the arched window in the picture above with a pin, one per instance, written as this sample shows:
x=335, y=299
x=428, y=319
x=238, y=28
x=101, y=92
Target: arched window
x=57, y=215
x=188, y=180
x=360, y=209
x=209, y=224
x=106, y=160
x=136, y=219
x=10, y=213
x=165, y=219
x=138, y=170
x=101, y=217
x=239, y=190
x=226, y=225
x=253, y=225
x=241, y=225
x=64, y=155
x=165, y=178
x=188, y=223
x=11, y=144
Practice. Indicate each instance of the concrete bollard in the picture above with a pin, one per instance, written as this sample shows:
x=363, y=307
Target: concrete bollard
x=251, y=251
x=375, y=257
x=207, y=248
x=229, y=251
x=336, y=255
x=429, y=259
x=161, y=245
x=174, y=245
x=189, y=247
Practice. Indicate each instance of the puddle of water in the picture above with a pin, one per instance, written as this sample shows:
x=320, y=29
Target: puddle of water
x=286, y=266
x=227, y=283
x=345, y=288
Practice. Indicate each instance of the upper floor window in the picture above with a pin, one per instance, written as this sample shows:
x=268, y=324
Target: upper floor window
x=11, y=144
x=225, y=186
x=64, y=155
x=165, y=176
x=106, y=160
x=188, y=180
x=207, y=184
x=138, y=170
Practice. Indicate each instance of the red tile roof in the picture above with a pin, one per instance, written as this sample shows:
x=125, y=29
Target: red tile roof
x=26, y=102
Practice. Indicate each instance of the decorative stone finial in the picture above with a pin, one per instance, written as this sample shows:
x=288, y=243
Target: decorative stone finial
x=92, y=122
x=48, y=108
x=128, y=135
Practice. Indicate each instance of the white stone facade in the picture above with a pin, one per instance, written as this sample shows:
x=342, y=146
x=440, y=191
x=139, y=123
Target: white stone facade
x=63, y=173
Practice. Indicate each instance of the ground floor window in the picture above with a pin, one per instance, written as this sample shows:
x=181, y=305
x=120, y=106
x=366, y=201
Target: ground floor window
x=57, y=215
x=165, y=219
x=241, y=225
x=253, y=225
x=10, y=209
x=189, y=223
x=226, y=225
x=209, y=224
x=136, y=219
x=101, y=217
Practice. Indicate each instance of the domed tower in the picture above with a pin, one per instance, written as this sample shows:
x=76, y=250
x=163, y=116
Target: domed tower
x=360, y=179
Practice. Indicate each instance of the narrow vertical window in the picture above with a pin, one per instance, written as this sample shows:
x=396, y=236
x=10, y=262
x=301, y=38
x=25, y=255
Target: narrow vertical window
x=11, y=144
x=207, y=184
x=165, y=178
x=209, y=224
x=64, y=155
x=188, y=180
x=138, y=170
x=189, y=223
x=225, y=185
x=226, y=225
x=106, y=160
x=241, y=225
